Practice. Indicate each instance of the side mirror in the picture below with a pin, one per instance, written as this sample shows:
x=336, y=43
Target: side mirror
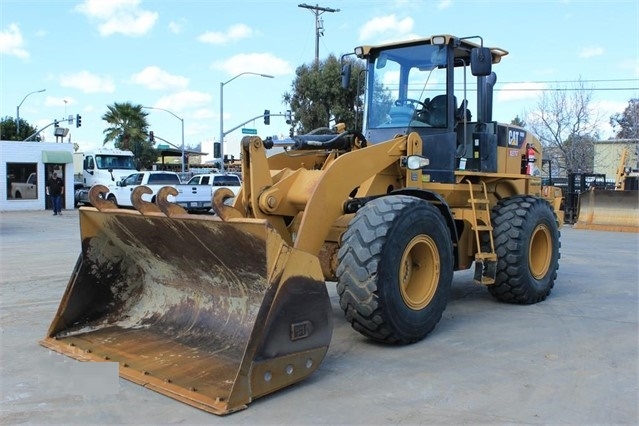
x=120, y=183
x=346, y=76
x=481, y=61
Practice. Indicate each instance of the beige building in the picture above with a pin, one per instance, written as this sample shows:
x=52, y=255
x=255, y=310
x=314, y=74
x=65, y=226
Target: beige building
x=608, y=153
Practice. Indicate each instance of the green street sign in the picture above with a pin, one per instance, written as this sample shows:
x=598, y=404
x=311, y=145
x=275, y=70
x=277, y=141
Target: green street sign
x=249, y=131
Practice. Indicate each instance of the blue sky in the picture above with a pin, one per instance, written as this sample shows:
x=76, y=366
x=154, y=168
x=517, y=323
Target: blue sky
x=174, y=54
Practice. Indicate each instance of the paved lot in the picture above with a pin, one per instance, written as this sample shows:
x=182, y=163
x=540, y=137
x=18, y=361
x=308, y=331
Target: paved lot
x=572, y=359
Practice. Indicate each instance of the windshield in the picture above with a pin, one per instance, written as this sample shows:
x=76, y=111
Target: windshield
x=407, y=87
x=114, y=162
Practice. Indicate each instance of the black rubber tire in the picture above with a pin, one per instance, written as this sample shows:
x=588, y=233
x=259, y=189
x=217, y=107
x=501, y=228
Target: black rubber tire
x=389, y=237
x=526, y=235
x=113, y=199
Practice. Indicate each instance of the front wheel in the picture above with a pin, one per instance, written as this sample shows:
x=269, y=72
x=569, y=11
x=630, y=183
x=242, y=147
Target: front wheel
x=395, y=269
x=526, y=234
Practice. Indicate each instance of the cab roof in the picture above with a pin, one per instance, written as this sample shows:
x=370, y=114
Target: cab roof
x=463, y=46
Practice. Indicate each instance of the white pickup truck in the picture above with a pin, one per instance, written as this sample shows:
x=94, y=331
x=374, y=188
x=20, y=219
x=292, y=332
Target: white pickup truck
x=120, y=193
x=195, y=195
x=28, y=189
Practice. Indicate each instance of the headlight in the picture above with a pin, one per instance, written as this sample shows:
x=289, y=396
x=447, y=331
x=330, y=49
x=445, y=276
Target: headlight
x=416, y=162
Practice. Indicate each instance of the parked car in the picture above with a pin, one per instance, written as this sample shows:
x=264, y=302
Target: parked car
x=195, y=195
x=120, y=193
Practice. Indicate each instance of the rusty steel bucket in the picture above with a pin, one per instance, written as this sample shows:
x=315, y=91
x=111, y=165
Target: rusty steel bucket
x=609, y=211
x=211, y=313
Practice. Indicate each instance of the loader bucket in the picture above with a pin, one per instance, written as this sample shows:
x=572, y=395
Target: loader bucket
x=211, y=313
x=609, y=211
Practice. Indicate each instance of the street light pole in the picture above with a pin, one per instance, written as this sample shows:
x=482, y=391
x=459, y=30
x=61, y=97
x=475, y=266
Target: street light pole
x=222, y=134
x=181, y=120
x=18, y=109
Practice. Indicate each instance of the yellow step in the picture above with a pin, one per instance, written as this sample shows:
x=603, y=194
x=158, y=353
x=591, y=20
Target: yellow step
x=478, y=201
x=485, y=256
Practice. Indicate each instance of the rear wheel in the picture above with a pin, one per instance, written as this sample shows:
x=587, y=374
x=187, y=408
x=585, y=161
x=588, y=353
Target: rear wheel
x=395, y=269
x=526, y=234
x=112, y=198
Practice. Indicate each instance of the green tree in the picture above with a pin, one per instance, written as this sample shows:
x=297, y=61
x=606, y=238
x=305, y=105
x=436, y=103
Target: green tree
x=518, y=121
x=317, y=98
x=8, y=130
x=626, y=124
x=128, y=130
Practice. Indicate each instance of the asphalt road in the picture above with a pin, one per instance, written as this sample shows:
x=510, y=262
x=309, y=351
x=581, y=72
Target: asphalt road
x=572, y=359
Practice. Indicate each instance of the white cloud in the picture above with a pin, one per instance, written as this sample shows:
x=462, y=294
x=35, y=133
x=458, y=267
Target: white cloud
x=518, y=91
x=444, y=4
x=88, y=82
x=262, y=63
x=183, y=100
x=11, y=42
x=205, y=113
x=589, y=52
x=155, y=78
x=233, y=33
x=175, y=27
x=119, y=16
x=384, y=25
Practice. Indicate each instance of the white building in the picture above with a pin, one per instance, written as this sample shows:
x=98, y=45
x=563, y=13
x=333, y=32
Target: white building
x=20, y=160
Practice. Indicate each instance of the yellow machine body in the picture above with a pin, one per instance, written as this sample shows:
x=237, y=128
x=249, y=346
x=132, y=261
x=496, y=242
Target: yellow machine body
x=217, y=310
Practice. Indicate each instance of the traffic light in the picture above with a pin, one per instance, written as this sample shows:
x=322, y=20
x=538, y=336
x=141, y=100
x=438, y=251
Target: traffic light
x=151, y=136
x=216, y=150
x=288, y=116
x=78, y=120
x=55, y=123
x=267, y=117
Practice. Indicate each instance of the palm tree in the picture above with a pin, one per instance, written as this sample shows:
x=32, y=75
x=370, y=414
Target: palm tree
x=128, y=130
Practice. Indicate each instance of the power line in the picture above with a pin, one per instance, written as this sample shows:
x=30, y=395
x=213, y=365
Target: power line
x=610, y=80
x=544, y=89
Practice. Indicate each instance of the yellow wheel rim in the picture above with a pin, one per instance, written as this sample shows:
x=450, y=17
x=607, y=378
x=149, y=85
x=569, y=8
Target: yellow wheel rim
x=419, y=272
x=540, y=251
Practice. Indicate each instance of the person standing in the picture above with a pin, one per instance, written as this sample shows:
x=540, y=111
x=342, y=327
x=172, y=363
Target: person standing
x=55, y=188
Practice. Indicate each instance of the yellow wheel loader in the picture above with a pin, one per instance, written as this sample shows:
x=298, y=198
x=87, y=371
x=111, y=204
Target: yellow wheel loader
x=618, y=210
x=216, y=311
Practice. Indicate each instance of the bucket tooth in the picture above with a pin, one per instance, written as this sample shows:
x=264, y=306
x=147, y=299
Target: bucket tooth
x=145, y=207
x=218, y=201
x=97, y=198
x=168, y=208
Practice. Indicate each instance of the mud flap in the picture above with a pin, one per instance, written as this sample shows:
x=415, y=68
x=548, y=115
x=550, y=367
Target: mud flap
x=211, y=313
x=609, y=211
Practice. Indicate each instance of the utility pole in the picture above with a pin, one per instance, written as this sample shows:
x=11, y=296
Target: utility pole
x=319, y=24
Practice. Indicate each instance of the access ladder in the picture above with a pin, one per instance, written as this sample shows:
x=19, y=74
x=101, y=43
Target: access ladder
x=485, y=261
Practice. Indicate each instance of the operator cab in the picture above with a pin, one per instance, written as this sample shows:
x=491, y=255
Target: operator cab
x=421, y=86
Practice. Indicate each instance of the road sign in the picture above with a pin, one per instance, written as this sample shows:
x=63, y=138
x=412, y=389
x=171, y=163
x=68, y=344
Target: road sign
x=246, y=131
